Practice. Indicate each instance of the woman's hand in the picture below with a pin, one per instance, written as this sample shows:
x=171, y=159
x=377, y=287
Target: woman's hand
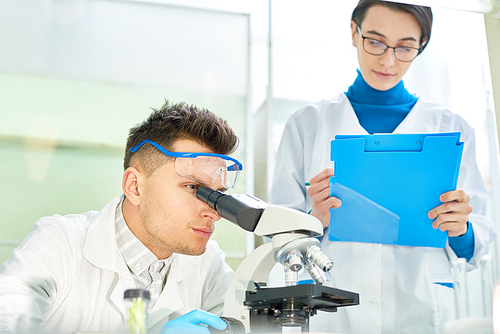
x=319, y=192
x=453, y=214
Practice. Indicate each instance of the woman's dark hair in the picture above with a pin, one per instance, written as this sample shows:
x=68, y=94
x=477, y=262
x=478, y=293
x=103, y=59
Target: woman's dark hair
x=422, y=14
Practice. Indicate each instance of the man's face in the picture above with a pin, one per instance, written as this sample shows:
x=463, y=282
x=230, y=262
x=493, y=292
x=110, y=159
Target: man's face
x=172, y=219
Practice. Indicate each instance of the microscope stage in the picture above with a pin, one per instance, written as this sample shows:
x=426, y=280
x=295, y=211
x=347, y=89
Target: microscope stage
x=310, y=296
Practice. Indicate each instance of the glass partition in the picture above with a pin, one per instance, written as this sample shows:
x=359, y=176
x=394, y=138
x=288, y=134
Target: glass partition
x=76, y=75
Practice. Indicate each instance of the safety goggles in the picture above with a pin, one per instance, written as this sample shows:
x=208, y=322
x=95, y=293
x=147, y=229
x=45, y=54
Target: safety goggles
x=201, y=167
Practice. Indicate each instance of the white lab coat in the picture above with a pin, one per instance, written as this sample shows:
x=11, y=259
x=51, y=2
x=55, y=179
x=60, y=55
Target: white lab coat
x=68, y=275
x=396, y=284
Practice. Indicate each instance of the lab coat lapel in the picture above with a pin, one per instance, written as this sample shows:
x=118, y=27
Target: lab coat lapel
x=170, y=300
x=346, y=122
x=100, y=250
x=342, y=119
x=423, y=117
x=118, y=287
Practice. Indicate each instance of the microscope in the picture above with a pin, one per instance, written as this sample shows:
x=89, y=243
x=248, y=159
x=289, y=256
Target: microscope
x=250, y=306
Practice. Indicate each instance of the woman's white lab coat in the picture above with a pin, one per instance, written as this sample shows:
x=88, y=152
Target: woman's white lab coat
x=69, y=276
x=396, y=284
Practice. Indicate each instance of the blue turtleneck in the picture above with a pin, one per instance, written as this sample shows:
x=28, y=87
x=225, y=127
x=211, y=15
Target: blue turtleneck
x=379, y=111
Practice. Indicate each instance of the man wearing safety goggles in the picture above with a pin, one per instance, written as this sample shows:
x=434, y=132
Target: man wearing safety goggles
x=70, y=273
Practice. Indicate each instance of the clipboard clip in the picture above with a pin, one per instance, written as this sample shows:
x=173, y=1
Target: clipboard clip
x=391, y=143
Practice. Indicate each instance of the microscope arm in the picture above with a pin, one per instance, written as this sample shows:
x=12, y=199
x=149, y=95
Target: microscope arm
x=278, y=220
x=254, y=268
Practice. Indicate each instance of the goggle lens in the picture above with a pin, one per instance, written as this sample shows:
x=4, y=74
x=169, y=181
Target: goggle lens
x=208, y=170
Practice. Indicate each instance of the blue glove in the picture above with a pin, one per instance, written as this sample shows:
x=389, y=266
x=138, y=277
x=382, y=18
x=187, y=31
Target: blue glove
x=190, y=323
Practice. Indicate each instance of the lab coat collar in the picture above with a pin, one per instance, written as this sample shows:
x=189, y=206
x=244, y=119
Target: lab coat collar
x=348, y=122
x=100, y=250
x=100, y=247
x=423, y=117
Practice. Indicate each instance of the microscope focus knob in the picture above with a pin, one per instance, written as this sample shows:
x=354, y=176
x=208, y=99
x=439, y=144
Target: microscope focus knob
x=234, y=326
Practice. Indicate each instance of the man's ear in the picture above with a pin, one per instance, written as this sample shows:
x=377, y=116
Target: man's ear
x=130, y=185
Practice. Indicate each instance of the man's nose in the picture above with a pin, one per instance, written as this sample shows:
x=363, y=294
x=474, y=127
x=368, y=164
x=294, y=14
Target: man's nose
x=210, y=213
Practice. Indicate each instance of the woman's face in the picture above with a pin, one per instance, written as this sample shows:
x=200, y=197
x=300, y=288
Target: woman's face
x=394, y=29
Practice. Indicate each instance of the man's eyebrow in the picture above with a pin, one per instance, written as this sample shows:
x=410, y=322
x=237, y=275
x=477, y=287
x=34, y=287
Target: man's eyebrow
x=382, y=35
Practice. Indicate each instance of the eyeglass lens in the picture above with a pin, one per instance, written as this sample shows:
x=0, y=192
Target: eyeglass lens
x=377, y=48
x=208, y=170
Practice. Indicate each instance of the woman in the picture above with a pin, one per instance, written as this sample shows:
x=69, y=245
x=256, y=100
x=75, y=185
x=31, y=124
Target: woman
x=402, y=289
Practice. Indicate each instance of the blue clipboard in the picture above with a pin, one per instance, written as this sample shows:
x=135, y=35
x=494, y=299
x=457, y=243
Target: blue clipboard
x=388, y=183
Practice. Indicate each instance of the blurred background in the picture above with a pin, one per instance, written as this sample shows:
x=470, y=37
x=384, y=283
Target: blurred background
x=76, y=75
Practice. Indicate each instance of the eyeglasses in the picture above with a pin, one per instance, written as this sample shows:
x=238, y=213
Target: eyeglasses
x=200, y=167
x=377, y=48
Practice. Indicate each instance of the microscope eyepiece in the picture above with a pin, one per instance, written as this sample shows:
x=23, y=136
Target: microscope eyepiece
x=243, y=210
x=209, y=196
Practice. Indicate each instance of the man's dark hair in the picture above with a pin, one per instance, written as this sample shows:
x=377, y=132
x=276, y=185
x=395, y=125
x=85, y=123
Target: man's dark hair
x=422, y=14
x=173, y=122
